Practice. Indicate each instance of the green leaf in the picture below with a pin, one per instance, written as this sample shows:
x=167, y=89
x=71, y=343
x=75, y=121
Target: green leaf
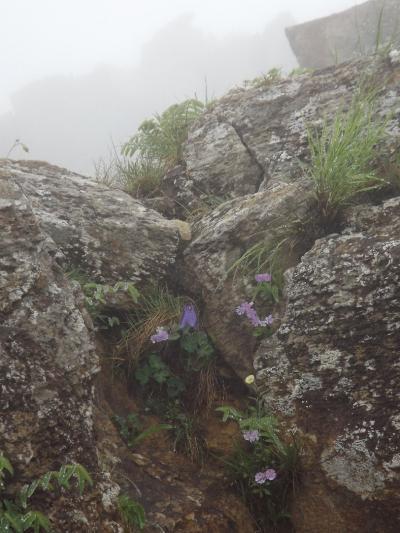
x=37, y=521
x=156, y=428
x=5, y=465
x=229, y=412
x=82, y=476
x=133, y=292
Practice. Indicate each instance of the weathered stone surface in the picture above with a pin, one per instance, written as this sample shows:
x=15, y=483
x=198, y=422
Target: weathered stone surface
x=104, y=233
x=256, y=136
x=47, y=365
x=219, y=240
x=177, y=495
x=350, y=34
x=333, y=371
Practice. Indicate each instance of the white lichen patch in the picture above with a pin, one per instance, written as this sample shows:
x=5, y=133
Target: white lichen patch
x=354, y=466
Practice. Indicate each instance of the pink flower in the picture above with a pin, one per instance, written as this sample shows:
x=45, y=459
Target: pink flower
x=260, y=278
x=267, y=475
x=160, y=336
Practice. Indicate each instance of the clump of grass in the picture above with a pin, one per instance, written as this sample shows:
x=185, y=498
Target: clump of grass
x=157, y=307
x=204, y=205
x=265, y=80
x=132, y=513
x=187, y=434
x=342, y=156
x=278, y=253
x=151, y=152
x=139, y=177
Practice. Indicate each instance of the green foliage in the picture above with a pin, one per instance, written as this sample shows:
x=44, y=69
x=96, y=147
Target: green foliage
x=342, y=156
x=268, y=501
x=17, y=143
x=274, y=75
x=132, y=513
x=187, y=433
x=155, y=370
x=161, y=138
x=199, y=349
x=139, y=177
x=15, y=516
x=96, y=295
x=131, y=429
x=299, y=71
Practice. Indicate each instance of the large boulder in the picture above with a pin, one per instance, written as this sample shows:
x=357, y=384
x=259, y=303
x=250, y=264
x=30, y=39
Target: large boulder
x=104, y=233
x=353, y=33
x=256, y=135
x=220, y=239
x=333, y=372
x=47, y=366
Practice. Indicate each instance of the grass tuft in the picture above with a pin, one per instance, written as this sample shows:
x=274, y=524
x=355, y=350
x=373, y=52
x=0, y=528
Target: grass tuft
x=342, y=156
x=157, y=307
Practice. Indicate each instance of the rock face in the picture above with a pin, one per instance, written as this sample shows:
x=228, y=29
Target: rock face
x=219, y=240
x=257, y=136
x=353, y=33
x=104, y=233
x=333, y=371
x=271, y=121
x=47, y=364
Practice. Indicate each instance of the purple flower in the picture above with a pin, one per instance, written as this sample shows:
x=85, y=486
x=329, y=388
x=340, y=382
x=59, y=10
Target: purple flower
x=263, y=277
x=267, y=321
x=252, y=435
x=160, y=336
x=189, y=317
x=270, y=474
x=260, y=478
x=267, y=475
x=245, y=308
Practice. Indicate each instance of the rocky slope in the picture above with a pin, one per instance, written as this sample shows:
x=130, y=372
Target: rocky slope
x=330, y=370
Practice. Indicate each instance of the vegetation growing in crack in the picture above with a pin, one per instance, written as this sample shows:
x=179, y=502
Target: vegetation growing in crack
x=132, y=513
x=183, y=362
x=99, y=298
x=342, y=156
x=15, y=512
x=151, y=152
x=265, y=465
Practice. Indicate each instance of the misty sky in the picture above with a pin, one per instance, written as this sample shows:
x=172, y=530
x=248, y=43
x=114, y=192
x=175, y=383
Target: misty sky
x=55, y=51
x=42, y=37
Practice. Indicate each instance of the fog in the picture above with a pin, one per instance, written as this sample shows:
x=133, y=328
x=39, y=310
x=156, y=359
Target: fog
x=77, y=75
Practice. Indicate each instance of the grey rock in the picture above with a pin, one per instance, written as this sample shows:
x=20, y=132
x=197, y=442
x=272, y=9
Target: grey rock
x=104, y=233
x=47, y=364
x=256, y=136
x=220, y=238
x=350, y=34
x=332, y=371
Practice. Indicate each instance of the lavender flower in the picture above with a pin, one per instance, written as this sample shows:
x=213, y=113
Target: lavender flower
x=270, y=474
x=189, y=317
x=260, y=478
x=160, y=336
x=267, y=321
x=252, y=435
x=263, y=277
x=245, y=308
x=267, y=475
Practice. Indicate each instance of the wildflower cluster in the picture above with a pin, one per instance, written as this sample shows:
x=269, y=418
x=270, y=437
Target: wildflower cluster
x=188, y=320
x=247, y=308
x=264, y=468
x=269, y=474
